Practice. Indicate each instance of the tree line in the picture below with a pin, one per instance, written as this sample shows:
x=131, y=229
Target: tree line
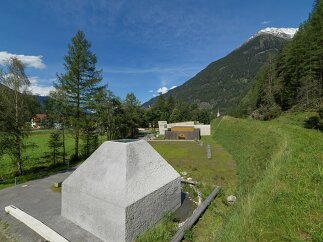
x=167, y=109
x=81, y=106
x=294, y=78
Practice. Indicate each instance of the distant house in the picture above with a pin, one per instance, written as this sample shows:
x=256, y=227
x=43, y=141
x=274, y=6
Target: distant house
x=37, y=120
x=205, y=129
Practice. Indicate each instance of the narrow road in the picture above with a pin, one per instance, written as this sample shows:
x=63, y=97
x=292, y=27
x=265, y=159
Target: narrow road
x=38, y=200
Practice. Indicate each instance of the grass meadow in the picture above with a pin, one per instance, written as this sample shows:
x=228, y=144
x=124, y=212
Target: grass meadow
x=275, y=168
x=36, y=162
x=220, y=170
x=280, y=179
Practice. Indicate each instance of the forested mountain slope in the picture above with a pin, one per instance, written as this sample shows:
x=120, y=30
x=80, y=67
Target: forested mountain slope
x=222, y=82
x=292, y=80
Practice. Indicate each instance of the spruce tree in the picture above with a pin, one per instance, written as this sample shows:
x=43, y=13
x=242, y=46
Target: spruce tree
x=79, y=83
x=132, y=113
x=55, y=144
x=56, y=108
x=89, y=136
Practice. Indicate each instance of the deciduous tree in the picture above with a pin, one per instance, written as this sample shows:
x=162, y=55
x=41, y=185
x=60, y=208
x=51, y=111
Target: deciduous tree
x=15, y=100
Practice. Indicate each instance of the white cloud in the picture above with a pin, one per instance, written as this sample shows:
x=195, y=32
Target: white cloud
x=29, y=60
x=164, y=89
x=151, y=91
x=266, y=22
x=39, y=89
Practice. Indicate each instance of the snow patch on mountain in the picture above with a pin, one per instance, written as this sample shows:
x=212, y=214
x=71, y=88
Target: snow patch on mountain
x=286, y=33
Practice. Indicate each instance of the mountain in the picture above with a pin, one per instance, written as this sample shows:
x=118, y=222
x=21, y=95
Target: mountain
x=37, y=103
x=41, y=99
x=293, y=80
x=222, y=82
x=286, y=33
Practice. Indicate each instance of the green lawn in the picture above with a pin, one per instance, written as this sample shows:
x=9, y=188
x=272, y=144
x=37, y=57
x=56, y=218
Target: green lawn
x=191, y=157
x=35, y=162
x=279, y=185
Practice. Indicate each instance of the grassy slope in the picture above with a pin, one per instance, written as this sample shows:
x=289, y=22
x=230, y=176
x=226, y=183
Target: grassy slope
x=280, y=177
x=192, y=158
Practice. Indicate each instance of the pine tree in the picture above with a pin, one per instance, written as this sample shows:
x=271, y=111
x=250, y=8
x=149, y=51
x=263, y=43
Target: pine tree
x=151, y=117
x=132, y=113
x=79, y=83
x=55, y=145
x=56, y=108
x=89, y=136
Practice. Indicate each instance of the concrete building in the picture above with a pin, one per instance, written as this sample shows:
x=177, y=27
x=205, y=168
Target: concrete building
x=182, y=133
x=162, y=126
x=120, y=190
x=205, y=129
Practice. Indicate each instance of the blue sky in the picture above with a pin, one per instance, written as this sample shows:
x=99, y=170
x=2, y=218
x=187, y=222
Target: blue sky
x=141, y=45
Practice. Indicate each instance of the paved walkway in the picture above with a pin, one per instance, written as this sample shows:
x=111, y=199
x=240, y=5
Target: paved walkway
x=38, y=200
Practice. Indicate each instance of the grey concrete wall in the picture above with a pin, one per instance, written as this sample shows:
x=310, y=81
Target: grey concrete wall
x=162, y=126
x=112, y=223
x=150, y=209
x=101, y=218
x=204, y=128
x=120, y=182
x=147, y=171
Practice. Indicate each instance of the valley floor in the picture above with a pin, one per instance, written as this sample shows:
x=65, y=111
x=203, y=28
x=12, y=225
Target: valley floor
x=274, y=168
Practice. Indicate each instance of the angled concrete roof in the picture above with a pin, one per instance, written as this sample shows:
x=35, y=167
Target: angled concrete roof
x=122, y=172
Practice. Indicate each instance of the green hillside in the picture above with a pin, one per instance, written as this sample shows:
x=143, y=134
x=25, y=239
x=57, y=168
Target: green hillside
x=222, y=82
x=280, y=179
x=292, y=80
x=274, y=169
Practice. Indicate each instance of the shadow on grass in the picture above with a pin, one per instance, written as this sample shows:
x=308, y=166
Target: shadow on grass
x=313, y=122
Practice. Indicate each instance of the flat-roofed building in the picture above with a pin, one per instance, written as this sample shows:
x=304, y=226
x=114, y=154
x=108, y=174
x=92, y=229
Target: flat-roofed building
x=182, y=133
